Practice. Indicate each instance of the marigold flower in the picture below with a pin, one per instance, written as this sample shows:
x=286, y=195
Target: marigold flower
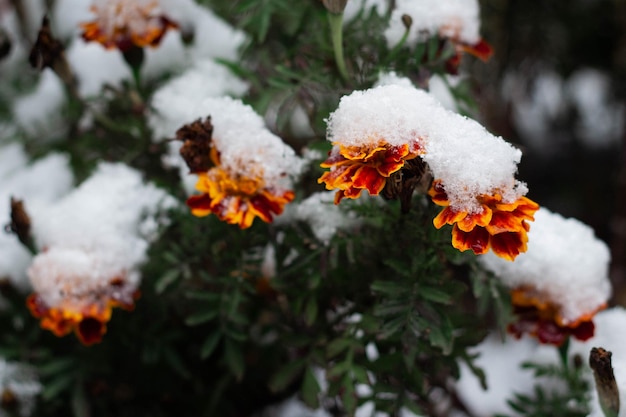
x=244, y=171
x=81, y=300
x=236, y=198
x=560, y=283
x=123, y=24
x=496, y=225
x=366, y=167
x=538, y=316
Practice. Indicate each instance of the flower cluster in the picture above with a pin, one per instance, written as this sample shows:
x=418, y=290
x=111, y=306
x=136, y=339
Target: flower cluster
x=244, y=171
x=560, y=283
x=91, y=244
x=123, y=24
x=380, y=132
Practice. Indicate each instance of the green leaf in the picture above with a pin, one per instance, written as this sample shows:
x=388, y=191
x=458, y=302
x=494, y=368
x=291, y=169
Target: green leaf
x=387, y=287
x=233, y=356
x=57, y=385
x=57, y=366
x=175, y=361
x=435, y=295
x=166, y=280
x=201, y=317
x=310, y=389
x=337, y=346
x=209, y=345
x=310, y=311
x=348, y=395
x=441, y=336
x=286, y=375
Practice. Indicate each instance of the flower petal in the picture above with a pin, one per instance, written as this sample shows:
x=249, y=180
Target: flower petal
x=477, y=240
x=508, y=245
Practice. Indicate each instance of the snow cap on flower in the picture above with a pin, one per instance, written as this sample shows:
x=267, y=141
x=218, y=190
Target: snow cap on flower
x=454, y=19
x=565, y=264
x=92, y=243
x=460, y=152
x=252, y=168
x=123, y=23
x=19, y=386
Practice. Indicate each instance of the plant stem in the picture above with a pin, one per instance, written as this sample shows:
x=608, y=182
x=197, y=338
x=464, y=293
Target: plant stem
x=336, y=30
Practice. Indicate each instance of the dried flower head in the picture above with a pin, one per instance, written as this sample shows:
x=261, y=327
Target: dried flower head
x=196, y=149
x=123, y=24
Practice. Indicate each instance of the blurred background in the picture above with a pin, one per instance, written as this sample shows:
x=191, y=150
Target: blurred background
x=556, y=87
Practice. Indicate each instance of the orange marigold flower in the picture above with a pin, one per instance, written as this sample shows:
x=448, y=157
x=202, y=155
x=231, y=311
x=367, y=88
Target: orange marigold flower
x=123, y=24
x=236, y=198
x=496, y=225
x=542, y=318
x=367, y=167
x=88, y=319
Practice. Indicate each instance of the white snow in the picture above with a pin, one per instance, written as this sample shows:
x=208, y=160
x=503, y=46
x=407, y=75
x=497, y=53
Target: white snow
x=21, y=381
x=565, y=262
x=460, y=152
x=95, y=234
x=454, y=19
x=38, y=185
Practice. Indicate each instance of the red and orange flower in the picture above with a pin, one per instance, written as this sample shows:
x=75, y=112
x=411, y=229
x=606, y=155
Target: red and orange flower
x=496, y=225
x=88, y=320
x=541, y=318
x=124, y=24
x=236, y=198
x=357, y=168
x=481, y=50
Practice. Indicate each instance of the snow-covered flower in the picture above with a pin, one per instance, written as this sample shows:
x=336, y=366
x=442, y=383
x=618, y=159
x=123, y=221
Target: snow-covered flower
x=365, y=167
x=18, y=388
x=499, y=226
x=378, y=135
x=123, y=24
x=91, y=244
x=560, y=283
x=251, y=167
x=454, y=20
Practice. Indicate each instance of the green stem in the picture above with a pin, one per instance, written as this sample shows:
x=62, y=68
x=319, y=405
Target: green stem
x=336, y=30
x=563, y=353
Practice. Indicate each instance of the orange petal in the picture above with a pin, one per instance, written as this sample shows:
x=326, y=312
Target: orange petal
x=481, y=50
x=201, y=205
x=508, y=245
x=448, y=216
x=470, y=221
x=370, y=179
x=503, y=221
x=477, y=240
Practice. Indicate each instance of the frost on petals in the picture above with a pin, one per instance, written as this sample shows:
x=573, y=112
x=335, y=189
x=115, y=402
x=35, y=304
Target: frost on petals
x=245, y=171
x=560, y=283
x=123, y=24
x=91, y=244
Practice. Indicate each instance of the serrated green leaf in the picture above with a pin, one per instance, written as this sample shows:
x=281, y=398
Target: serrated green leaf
x=286, y=375
x=310, y=389
x=441, y=337
x=201, y=317
x=209, y=344
x=388, y=288
x=56, y=366
x=348, y=396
